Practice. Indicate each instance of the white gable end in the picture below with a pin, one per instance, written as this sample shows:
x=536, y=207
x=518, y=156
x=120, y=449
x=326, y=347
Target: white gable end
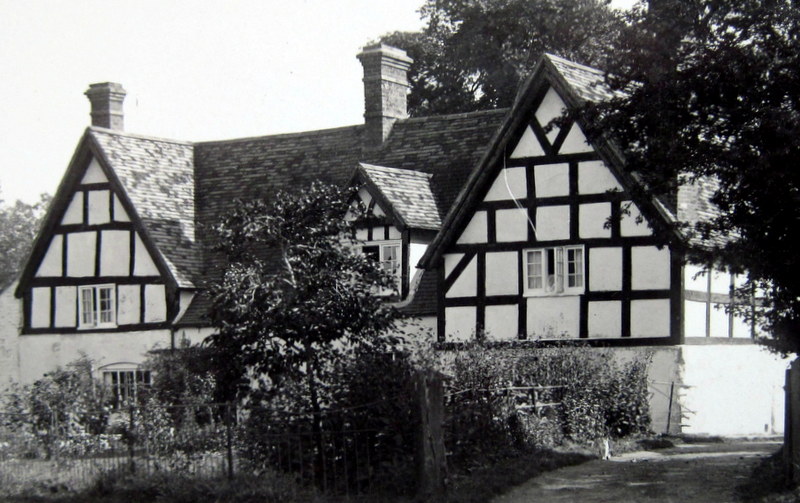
x=94, y=174
x=575, y=142
x=53, y=258
x=510, y=183
x=552, y=107
x=528, y=146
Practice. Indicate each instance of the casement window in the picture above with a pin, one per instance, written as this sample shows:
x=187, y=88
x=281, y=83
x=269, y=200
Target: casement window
x=554, y=271
x=387, y=253
x=98, y=306
x=125, y=385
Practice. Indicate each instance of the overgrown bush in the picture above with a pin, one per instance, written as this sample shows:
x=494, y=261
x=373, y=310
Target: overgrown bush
x=62, y=413
x=179, y=488
x=598, y=394
x=367, y=424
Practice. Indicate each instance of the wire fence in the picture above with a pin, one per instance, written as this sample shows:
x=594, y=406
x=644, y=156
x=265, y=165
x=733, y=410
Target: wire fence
x=332, y=454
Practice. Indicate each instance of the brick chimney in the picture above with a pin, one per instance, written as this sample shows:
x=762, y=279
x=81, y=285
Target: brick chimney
x=106, y=99
x=385, y=90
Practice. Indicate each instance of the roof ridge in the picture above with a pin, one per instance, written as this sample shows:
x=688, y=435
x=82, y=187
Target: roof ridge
x=280, y=135
x=574, y=64
x=115, y=132
x=406, y=171
x=457, y=115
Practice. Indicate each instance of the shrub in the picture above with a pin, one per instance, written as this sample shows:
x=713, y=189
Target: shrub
x=599, y=396
x=121, y=485
x=61, y=413
x=367, y=418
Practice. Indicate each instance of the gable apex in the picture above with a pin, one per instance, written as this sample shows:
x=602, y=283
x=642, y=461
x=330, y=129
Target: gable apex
x=89, y=181
x=553, y=79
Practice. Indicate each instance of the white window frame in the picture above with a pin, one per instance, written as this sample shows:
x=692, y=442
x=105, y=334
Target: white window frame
x=92, y=316
x=554, y=271
x=383, y=247
x=124, y=384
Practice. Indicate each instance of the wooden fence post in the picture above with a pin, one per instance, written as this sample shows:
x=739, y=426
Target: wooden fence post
x=229, y=437
x=430, y=453
x=791, y=428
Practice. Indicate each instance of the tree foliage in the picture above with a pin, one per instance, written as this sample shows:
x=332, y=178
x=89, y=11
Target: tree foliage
x=295, y=296
x=473, y=54
x=713, y=95
x=19, y=224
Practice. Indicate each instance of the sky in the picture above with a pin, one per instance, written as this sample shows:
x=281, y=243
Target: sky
x=193, y=70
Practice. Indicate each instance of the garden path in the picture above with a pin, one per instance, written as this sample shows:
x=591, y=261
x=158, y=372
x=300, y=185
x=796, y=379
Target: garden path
x=688, y=473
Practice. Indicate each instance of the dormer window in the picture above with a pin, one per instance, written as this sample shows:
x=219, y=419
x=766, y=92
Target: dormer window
x=97, y=307
x=387, y=253
x=554, y=271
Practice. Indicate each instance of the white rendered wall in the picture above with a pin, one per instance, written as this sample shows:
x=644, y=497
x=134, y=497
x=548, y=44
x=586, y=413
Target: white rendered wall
x=466, y=284
x=552, y=180
x=732, y=390
x=509, y=178
x=500, y=322
x=52, y=261
x=10, y=325
x=650, y=268
x=512, y=225
x=528, y=145
x=650, y=318
x=475, y=231
x=415, y=253
x=460, y=323
x=550, y=108
x=552, y=222
x=502, y=273
x=553, y=317
x=631, y=222
x=594, y=177
x=44, y=352
x=605, y=273
x=593, y=220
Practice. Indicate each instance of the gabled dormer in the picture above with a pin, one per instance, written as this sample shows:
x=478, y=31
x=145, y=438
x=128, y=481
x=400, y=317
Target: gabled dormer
x=546, y=239
x=401, y=218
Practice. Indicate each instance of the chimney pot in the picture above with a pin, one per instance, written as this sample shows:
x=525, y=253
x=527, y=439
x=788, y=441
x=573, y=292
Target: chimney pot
x=385, y=90
x=106, y=99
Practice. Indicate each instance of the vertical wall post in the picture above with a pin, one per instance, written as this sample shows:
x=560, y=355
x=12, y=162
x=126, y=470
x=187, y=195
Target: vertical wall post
x=792, y=426
x=430, y=451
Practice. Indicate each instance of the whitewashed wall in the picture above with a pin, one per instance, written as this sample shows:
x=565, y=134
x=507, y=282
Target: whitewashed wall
x=10, y=325
x=732, y=390
x=42, y=353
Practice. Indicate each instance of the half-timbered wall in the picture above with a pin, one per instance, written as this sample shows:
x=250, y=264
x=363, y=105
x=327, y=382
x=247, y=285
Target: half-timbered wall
x=707, y=296
x=96, y=274
x=557, y=249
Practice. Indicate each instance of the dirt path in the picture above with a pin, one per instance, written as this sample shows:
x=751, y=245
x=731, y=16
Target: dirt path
x=687, y=474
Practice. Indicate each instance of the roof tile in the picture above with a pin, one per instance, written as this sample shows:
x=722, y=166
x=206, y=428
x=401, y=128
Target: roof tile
x=158, y=177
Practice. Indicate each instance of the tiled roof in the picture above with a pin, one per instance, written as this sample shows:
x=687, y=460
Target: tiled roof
x=196, y=315
x=409, y=193
x=158, y=177
x=181, y=189
x=587, y=82
x=422, y=299
x=259, y=167
x=695, y=207
x=446, y=146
